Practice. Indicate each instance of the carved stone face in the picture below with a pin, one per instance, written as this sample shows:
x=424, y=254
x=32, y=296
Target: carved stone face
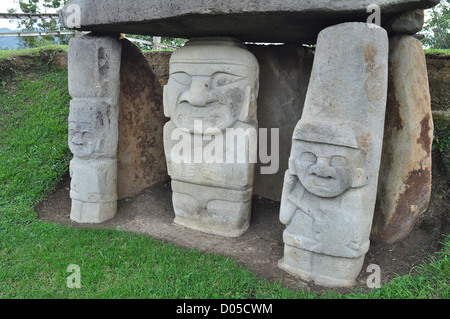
x=82, y=138
x=325, y=170
x=212, y=83
x=89, y=132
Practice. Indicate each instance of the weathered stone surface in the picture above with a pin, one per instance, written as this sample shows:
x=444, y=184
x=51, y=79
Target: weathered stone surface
x=404, y=186
x=409, y=22
x=330, y=187
x=265, y=21
x=94, y=67
x=213, y=87
x=284, y=76
x=140, y=154
x=159, y=62
x=439, y=78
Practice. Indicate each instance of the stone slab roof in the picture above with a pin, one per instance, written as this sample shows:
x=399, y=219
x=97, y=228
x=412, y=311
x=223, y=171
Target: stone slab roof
x=285, y=21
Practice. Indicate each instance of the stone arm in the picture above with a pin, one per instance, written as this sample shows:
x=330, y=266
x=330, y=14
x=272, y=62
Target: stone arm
x=290, y=198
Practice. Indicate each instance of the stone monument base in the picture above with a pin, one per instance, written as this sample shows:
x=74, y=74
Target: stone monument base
x=94, y=213
x=219, y=211
x=323, y=270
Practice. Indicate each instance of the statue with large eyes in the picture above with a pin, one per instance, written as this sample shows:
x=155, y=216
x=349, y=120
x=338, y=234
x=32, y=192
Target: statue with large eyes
x=320, y=203
x=91, y=134
x=93, y=169
x=213, y=86
x=330, y=187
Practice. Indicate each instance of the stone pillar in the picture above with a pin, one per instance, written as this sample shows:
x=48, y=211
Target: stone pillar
x=404, y=186
x=284, y=78
x=330, y=187
x=212, y=92
x=94, y=84
x=140, y=152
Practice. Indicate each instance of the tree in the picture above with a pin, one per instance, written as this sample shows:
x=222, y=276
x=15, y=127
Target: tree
x=44, y=6
x=437, y=26
x=170, y=42
x=40, y=6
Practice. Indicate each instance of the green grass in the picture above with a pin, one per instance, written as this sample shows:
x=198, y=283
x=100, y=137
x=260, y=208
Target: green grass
x=6, y=54
x=437, y=51
x=428, y=281
x=34, y=255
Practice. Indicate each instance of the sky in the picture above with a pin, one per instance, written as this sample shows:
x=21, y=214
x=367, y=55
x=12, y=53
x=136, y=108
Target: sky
x=4, y=6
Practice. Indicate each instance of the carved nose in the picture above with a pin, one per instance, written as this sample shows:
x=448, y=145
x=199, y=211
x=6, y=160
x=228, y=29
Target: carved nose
x=323, y=169
x=199, y=94
x=78, y=139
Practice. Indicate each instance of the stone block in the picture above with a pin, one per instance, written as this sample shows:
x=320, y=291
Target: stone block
x=330, y=187
x=284, y=76
x=140, y=154
x=404, y=186
x=93, y=72
x=409, y=22
x=94, y=68
x=159, y=62
x=212, y=90
x=248, y=20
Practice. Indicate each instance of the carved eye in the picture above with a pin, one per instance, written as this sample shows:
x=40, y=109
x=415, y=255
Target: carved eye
x=308, y=157
x=223, y=79
x=338, y=161
x=182, y=78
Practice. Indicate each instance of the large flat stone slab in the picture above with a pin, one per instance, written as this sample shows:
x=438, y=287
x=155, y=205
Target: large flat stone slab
x=289, y=21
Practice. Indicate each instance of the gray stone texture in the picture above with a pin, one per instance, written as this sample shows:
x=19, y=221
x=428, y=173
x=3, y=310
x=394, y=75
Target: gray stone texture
x=93, y=70
x=140, y=154
x=264, y=21
x=214, y=83
x=409, y=22
x=404, y=186
x=330, y=187
x=284, y=76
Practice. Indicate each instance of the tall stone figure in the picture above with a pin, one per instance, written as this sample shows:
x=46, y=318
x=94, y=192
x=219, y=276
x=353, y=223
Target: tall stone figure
x=94, y=84
x=330, y=187
x=212, y=91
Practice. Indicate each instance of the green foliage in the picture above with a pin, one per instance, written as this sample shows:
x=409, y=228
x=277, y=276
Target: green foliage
x=40, y=6
x=441, y=144
x=428, y=281
x=441, y=141
x=32, y=51
x=437, y=27
x=170, y=42
x=437, y=51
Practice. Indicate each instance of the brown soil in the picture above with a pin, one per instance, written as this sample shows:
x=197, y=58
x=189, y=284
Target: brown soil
x=260, y=248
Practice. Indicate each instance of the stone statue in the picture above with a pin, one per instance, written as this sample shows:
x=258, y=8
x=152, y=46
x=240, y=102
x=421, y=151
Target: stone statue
x=323, y=227
x=330, y=187
x=94, y=66
x=212, y=89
